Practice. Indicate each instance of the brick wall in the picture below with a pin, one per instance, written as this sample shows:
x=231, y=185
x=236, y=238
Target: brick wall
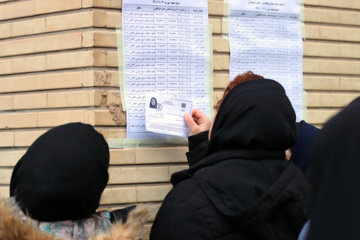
x=58, y=64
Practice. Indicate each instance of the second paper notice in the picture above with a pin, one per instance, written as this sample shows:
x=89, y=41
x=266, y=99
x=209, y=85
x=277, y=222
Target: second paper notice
x=265, y=37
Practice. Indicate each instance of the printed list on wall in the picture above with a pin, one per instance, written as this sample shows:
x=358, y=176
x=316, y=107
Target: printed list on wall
x=166, y=53
x=265, y=37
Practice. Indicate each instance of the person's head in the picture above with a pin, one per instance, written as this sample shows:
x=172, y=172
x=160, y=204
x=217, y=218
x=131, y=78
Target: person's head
x=62, y=174
x=241, y=78
x=335, y=178
x=253, y=113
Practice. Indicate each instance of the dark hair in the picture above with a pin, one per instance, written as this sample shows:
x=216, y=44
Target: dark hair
x=244, y=77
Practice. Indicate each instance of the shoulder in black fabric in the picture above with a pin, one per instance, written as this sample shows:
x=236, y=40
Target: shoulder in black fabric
x=63, y=173
x=254, y=115
x=335, y=178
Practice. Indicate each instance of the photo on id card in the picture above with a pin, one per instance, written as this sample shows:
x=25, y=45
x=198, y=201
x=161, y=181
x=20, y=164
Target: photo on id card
x=165, y=114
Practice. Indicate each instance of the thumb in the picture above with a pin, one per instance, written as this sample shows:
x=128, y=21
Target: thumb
x=189, y=121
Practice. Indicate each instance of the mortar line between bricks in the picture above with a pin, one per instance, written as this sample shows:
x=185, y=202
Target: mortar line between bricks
x=6, y=167
x=50, y=14
x=141, y=184
x=58, y=70
x=331, y=41
x=331, y=8
x=324, y=108
x=40, y=53
x=53, y=109
x=62, y=89
x=146, y=165
x=55, y=52
x=57, y=90
x=158, y=203
x=331, y=25
x=54, y=33
x=330, y=75
x=81, y=69
x=327, y=24
x=331, y=58
x=7, y=149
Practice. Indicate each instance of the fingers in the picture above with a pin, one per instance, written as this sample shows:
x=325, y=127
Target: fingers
x=196, y=113
x=190, y=122
x=198, y=116
x=193, y=113
x=197, y=122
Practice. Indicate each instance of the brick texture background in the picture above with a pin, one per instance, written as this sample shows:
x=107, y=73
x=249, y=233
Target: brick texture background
x=58, y=64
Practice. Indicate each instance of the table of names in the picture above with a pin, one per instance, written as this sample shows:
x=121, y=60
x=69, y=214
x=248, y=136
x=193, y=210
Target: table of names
x=165, y=53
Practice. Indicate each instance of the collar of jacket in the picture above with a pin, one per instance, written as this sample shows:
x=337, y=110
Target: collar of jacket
x=248, y=154
x=13, y=227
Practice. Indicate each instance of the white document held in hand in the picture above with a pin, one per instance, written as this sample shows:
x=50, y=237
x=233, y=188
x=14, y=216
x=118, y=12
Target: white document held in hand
x=165, y=114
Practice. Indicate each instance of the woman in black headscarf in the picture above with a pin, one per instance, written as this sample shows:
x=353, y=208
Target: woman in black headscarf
x=335, y=178
x=63, y=174
x=56, y=187
x=239, y=184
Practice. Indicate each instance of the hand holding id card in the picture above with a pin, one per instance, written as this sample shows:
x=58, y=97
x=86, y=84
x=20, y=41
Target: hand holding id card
x=165, y=114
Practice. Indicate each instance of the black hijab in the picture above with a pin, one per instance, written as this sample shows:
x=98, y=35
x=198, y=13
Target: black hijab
x=62, y=174
x=254, y=115
x=335, y=177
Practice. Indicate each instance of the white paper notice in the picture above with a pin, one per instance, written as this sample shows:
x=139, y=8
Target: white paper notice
x=165, y=53
x=165, y=114
x=265, y=37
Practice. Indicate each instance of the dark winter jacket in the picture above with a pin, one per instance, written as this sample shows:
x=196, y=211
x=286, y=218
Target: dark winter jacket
x=335, y=178
x=303, y=147
x=239, y=185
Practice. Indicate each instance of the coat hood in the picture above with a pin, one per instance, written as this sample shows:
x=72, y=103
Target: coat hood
x=254, y=115
x=62, y=174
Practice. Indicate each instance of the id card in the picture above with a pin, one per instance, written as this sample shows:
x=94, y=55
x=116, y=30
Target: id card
x=165, y=114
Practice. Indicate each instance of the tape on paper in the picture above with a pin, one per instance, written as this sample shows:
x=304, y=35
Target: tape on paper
x=210, y=71
x=121, y=67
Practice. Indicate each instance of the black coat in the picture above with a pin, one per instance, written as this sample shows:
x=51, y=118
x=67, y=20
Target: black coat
x=335, y=178
x=239, y=185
